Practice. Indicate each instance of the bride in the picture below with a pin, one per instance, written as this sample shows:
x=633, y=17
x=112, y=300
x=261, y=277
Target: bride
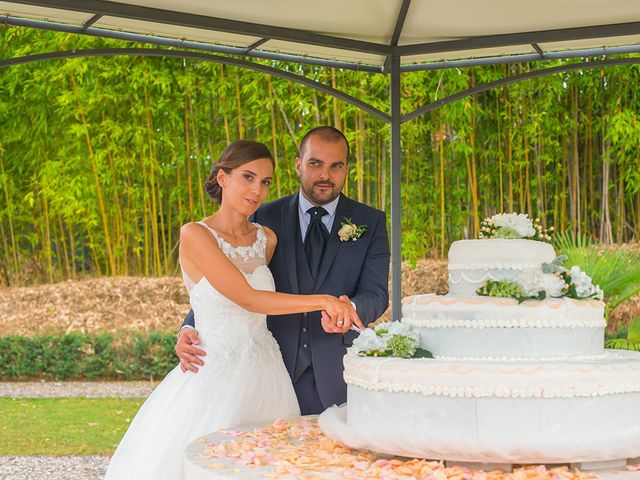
x=224, y=262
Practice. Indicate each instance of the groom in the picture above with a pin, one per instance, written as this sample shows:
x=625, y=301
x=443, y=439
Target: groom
x=311, y=257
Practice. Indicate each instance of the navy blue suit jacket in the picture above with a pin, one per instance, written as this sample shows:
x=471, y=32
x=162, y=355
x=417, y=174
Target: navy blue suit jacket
x=359, y=269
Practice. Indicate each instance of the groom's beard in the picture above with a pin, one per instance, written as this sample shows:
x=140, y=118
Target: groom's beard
x=322, y=192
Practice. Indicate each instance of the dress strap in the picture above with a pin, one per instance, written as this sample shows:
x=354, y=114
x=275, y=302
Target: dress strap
x=215, y=234
x=257, y=249
x=261, y=240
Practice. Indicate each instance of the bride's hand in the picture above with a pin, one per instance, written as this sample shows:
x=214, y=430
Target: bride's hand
x=341, y=316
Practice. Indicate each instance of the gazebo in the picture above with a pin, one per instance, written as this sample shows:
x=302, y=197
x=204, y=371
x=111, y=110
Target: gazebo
x=382, y=37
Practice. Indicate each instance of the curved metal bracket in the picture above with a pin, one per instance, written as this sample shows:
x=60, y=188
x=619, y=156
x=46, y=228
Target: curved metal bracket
x=152, y=52
x=516, y=78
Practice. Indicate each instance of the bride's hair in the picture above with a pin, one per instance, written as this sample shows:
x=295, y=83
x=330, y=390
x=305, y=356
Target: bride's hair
x=236, y=154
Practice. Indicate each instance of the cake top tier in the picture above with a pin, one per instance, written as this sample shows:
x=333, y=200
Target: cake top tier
x=496, y=253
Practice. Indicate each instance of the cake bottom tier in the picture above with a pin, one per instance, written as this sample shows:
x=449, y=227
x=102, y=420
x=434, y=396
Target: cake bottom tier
x=484, y=413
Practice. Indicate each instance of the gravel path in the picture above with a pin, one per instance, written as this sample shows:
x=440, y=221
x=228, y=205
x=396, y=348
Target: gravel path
x=90, y=467
x=76, y=389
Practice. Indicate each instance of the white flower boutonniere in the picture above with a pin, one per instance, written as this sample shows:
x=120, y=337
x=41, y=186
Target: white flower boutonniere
x=350, y=231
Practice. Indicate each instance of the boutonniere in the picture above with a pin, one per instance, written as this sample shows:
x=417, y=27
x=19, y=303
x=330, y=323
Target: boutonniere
x=350, y=231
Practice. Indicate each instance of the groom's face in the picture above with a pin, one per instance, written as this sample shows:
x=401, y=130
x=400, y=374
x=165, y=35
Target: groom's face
x=322, y=169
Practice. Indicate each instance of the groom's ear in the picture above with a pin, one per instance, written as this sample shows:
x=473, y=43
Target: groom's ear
x=298, y=164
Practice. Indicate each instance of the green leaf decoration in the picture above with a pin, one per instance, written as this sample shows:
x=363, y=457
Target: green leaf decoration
x=422, y=353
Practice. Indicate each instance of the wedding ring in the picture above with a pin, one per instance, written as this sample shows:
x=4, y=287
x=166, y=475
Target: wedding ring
x=340, y=323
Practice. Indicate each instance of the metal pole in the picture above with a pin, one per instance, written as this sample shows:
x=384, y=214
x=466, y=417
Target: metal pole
x=396, y=212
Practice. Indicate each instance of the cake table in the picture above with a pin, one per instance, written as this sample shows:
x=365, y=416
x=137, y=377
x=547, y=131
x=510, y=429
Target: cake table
x=296, y=449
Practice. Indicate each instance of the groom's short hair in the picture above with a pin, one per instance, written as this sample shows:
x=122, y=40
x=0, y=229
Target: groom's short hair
x=326, y=133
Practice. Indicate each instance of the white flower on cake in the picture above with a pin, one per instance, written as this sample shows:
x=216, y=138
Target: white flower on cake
x=551, y=280
x=368, y=341
x=514, y=226
x=533, y=281
x=518, y=222
x=389, y=339
x=584, y=285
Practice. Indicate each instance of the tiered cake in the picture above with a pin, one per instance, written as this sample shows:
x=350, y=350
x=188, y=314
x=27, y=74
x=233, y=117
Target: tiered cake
x=510, y=382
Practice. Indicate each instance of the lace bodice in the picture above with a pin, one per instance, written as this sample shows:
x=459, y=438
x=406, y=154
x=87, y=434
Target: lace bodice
x=218, y=318
x=245, y=258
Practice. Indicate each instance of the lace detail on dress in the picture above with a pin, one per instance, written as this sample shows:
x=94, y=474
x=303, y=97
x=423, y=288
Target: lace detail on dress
x=246, y=258
x=256, y=249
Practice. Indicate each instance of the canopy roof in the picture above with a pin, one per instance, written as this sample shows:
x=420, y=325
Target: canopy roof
x=362, y=32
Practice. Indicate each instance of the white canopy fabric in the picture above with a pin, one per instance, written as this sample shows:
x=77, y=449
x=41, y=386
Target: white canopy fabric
x=359, y=31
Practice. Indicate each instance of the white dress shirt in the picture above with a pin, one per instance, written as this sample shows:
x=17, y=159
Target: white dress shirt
x=305, y=218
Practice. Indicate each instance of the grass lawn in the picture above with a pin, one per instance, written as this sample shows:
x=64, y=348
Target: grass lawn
x=64, y=426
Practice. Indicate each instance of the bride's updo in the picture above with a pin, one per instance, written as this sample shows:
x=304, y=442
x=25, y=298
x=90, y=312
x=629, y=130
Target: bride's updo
x=236, y=154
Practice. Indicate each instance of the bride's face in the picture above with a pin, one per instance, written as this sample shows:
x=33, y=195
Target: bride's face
x=246, y=187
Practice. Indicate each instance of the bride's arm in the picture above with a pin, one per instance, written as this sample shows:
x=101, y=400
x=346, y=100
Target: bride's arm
x=200, y=248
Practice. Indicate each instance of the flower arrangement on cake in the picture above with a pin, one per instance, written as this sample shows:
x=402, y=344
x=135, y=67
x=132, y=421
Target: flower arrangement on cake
x=552, y=280
x=389, y=339
x=514, y=226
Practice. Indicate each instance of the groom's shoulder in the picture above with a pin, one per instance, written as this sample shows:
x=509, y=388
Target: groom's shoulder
x=275, y=205
x=270, y=213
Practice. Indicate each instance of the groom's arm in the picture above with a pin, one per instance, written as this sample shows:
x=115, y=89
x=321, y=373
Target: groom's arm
x=372, y=292
x=189, y=321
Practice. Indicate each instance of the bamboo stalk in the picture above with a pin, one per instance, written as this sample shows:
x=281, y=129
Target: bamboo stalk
x=473, y=178
x=9, y=207
x=241, y=128
x=227, y=130
x=96, y=178
x=274, y=145
x=63, y=242
x=153, y=162
x=337, y=123
x=359, y=122
x=442, y=200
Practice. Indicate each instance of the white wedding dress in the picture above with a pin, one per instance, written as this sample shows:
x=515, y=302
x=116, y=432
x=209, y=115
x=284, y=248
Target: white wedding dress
x=243, y=379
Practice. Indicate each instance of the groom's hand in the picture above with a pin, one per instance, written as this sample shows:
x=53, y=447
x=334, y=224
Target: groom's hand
x=327, y=325
x=187, y=351
x=331, y=327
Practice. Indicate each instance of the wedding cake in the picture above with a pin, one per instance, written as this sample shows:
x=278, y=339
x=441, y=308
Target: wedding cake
x=511, y=380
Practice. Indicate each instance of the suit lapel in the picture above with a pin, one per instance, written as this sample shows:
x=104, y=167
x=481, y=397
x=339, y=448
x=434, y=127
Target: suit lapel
x=289, y=221
x=344, y=209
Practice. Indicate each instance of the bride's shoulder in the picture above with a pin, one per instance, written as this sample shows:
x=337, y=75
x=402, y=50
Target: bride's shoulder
x=195, y=231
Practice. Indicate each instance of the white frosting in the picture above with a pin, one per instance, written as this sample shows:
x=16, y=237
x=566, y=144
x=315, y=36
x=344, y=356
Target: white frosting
x=499, y=253
x=472, y=262
x=615, y=372
x=488, y=429
x=457, y=311
x=492, y=327
x=524, y=412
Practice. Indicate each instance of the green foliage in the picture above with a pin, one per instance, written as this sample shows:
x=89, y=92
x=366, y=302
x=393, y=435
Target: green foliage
x=631, y=341
x=501, y=288
x=75, y=355
x=401, y=346
x=507, y=232
x=566, y=241
x=617, y=271
x=64, y=426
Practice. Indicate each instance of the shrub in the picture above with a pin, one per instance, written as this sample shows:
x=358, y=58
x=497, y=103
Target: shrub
x=84, y=356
